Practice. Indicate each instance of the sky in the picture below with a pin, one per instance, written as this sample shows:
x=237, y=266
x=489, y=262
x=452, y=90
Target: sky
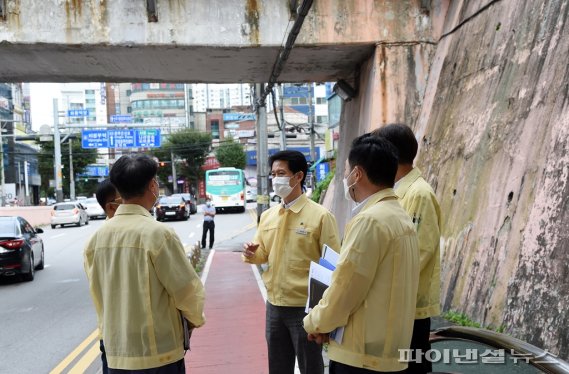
x=41, y=97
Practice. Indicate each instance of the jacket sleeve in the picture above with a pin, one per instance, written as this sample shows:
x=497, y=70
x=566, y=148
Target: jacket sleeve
x=329, y=233
x=425, y=212
x=351, y=280
x=180, y=280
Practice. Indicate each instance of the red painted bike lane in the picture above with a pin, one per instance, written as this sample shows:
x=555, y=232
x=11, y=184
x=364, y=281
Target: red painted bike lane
x=233, y=338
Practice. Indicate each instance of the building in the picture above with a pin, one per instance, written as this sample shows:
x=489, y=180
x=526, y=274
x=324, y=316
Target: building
x=220, y=96
x=19, y=160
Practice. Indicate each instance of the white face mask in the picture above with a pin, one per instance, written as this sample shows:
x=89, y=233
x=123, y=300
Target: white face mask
x=282, y=187
x=155, y=196
x=347, y=187
x=208, y=203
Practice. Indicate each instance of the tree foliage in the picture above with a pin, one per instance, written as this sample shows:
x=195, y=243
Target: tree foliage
x=231, y=154
x=190, y=148
x=81, y=158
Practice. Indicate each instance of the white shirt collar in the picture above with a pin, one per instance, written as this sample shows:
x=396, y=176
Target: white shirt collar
x=359, y=206
x=286, y=206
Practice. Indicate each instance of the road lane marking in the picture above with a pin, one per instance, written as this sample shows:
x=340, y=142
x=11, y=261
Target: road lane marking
x=88, y=358
x=207, y=266
x=191, y=235
x=260, y=282
x=73, y=355
x=57, y=236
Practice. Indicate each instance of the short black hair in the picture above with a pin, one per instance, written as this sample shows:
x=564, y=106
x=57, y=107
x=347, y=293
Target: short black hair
x=105, y=192
x=295, y=159
x=402, y=137
x=377, y=156
x=131, y=174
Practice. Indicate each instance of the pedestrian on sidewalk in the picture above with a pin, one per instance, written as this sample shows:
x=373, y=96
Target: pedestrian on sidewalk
x=289, y=236
x=374, y=286
x=419, y=201
x=109, y=199
x=140, y=279
x=208, y=223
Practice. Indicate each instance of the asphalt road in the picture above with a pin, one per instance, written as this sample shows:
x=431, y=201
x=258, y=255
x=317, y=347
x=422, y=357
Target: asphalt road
x=44, y=323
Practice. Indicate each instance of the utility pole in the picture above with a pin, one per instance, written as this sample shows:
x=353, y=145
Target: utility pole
x=57, y=156
x=26, y=182
x=281, y=105
x=71, y=176
x=262, y=155
x=174, y=177
x=311, y=124
x=3, y=180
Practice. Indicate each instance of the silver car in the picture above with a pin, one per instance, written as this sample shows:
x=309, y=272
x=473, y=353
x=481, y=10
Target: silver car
x=69, y=213
x=93, y=208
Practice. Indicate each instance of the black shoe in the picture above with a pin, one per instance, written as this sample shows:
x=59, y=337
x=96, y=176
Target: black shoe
x=203, y=246
x=211, y=247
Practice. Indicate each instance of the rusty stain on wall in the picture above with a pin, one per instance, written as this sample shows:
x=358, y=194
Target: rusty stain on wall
x=252, y=12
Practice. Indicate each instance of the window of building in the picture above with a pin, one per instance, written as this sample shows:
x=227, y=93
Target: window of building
x=320, y=100
x=321, y=119
x=294, y=101
x=89, y=92
x=302, y=101
x=129, y=109
x=215, y=129
x=128, y=92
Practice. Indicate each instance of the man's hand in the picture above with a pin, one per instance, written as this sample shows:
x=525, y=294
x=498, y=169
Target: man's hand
x=249, y=249
x=319, y=338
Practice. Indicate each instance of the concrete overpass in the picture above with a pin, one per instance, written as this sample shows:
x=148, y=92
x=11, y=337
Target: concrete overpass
x=225, y=41
x=482, y=82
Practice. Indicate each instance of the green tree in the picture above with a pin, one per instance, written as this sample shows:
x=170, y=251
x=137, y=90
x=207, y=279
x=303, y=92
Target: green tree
x=81, y=158
x=231, y=154
x=190, y=148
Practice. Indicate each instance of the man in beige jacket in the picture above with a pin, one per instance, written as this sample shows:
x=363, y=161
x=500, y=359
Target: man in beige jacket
x=419, y=201
x=374, y=287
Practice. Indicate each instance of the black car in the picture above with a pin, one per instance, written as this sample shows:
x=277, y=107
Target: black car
x=190, y=200
x=21, y=249
x=172, y=207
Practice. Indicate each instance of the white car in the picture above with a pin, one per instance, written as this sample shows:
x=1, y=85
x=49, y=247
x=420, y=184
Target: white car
x=93, y=208
x=70, y=213
x=251, y=194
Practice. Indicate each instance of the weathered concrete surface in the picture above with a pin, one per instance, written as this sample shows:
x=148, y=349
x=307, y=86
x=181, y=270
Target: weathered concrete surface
x=197, y=40
x=494, y=132
x=391, y=87
x=36, y=215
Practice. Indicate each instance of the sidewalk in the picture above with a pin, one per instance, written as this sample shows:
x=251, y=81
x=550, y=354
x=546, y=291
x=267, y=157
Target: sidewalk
x=233, y=338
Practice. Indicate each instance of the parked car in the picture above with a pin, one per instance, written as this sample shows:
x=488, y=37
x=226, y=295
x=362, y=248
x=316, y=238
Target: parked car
x=251, y=194
x=172, y=207
x=191, y=200
x=93, y=208
x=69, y=213
x=476, y=350
x=21, y=249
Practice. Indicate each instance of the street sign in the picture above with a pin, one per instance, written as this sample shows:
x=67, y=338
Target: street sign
x=94, y=139
x=149, y=138
x=78, y=113
x=121, y=118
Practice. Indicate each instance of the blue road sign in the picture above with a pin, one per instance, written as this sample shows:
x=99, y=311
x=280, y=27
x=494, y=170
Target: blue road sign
x=122, y=138
x=149, y=138
x=78, y=113
x=121, y=118
x=94, y=139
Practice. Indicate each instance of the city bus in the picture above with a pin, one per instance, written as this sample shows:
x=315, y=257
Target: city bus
x=226, y=188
